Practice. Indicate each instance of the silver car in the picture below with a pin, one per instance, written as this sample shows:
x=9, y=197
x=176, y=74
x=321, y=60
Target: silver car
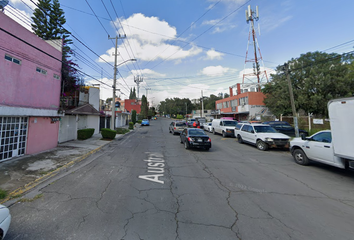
x=177, y=127
x=5, y=220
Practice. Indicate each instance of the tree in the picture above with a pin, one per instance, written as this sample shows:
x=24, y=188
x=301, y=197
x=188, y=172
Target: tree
x=144, y=107
x=134, y=116
x=316, y=78
x=209, y=102
x=132, y=94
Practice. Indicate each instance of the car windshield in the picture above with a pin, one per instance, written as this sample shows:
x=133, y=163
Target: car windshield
x=264, y=129
x=145, y=120
x=180, y=124
x=196, y=132
x=230, y=123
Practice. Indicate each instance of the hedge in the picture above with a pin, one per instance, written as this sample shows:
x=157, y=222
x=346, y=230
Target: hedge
x=131, y=125
x=86, y=133
x=122, y=130
x=108, y=133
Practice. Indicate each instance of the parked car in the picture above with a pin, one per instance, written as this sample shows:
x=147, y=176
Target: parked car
x=224, y=127
x=195, y=138
x=145, y=122
x=261, y=135
x=5, y=220
x=177, y=127
x=207, y=127
x=286, y=128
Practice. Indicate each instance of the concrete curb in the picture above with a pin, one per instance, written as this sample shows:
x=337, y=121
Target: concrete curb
x=33, y=184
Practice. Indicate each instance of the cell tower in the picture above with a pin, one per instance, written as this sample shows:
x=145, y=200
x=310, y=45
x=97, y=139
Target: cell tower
x=261, y=76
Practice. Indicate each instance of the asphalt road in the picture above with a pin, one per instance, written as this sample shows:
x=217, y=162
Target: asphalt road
x=147, y=186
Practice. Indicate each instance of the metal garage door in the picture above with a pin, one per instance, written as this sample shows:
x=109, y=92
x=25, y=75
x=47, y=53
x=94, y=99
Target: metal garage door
x=13, y=135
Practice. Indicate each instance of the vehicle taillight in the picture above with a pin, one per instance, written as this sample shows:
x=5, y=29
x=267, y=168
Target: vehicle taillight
x=174, y=128
x=209, y=140
x=190, y=139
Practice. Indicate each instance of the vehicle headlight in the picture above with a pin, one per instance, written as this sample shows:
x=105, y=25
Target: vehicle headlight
x=268, y=139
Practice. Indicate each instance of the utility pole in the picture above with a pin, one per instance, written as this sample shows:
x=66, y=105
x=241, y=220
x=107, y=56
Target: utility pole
x=287, y=72
x=202, y=105
x=138, y=80
x=113, y=117
x=147, y=92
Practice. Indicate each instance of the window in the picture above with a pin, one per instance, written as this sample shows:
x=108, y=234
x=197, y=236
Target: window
x=40, y=70
x=56, y=76
x=12, y=59
x=323, y=137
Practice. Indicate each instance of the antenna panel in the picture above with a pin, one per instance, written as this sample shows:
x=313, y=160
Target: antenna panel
x=257, y=13
x=249, y=11
x=247, y=19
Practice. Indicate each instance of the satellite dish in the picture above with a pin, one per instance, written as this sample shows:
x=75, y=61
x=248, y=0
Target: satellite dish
x=3, y=3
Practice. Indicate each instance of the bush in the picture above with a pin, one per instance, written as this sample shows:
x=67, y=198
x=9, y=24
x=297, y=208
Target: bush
x=86, y=133
x=3, y=194
x=122, y=130
x=108, y=133
x=139, y=121
x=179, y=116
x=131, y=125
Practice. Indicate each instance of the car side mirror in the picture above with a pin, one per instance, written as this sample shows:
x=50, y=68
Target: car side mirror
x=252, y=131
x=303, y=137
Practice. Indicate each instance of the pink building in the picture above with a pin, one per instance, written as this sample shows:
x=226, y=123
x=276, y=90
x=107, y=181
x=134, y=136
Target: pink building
x=30, y=77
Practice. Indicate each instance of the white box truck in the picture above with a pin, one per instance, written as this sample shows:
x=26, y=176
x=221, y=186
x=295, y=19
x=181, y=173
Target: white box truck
x=333, y=147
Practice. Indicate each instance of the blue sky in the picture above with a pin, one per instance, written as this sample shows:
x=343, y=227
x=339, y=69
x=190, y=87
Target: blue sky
x=184, y=47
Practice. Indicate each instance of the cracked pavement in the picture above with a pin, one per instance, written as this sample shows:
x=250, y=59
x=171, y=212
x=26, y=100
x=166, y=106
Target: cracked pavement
x=233, y=191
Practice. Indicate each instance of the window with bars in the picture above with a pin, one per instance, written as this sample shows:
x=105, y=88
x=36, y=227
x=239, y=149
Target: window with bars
x=13, y=134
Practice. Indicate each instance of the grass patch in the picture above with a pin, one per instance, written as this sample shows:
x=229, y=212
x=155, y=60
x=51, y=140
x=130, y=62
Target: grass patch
x=31, y=199
x=122, y=130
x=3, y=194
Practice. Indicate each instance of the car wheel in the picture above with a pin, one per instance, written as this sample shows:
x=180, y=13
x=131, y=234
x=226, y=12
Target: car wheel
x=224, y=134
x=239, y=139
x=186, y=145
x=262, y=145
x=300, y=157
x=214, y=131
x=173, y=133
x=169, y=130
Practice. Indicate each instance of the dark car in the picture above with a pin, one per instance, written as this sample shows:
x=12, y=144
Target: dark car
x=286, y=128
x=195, y=138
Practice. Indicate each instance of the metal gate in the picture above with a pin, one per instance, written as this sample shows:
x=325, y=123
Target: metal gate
x=13, y=135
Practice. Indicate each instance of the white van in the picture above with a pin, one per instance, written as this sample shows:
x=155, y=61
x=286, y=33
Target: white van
x=224, y=127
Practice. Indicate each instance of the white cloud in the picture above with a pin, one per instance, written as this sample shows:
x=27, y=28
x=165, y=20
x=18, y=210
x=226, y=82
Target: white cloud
x=214, y=71
x=212, y=54
x=218, y=26
x=149, y=41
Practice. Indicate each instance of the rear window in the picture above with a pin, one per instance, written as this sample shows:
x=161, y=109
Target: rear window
x=180, y=124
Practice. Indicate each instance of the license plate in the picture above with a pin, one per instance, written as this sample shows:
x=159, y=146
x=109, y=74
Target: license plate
x=200, y=140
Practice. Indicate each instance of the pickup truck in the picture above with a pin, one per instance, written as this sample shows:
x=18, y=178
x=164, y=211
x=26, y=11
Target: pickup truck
x=333, y=147
x=261, y=135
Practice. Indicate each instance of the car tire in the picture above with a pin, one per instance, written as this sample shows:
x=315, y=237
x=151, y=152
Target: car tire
x=262, y=145
x=239, y=139
x=169, y=130
x=300, y=157
x=214, y=131
x=186, y=145
x=173, y=133
x=224, y=134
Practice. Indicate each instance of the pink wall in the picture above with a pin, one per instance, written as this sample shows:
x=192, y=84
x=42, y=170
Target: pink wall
x=22, y=85
x=42, y=134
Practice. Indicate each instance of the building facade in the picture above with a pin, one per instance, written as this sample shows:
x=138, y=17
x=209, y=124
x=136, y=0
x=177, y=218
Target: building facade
x=30, y=77
x=246, y=105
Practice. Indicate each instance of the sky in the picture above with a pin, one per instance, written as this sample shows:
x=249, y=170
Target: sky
x=190, y=48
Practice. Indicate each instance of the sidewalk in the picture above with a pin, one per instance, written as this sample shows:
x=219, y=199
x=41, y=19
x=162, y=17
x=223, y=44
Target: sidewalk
x=21, y=174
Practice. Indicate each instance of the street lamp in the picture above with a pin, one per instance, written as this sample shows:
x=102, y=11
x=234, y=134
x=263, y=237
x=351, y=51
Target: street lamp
x=113, y=120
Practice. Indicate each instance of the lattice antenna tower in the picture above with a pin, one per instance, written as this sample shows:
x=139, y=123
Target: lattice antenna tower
x=261, y=76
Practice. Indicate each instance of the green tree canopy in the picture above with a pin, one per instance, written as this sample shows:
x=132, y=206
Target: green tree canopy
x=144, y=107
x=316, y=78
